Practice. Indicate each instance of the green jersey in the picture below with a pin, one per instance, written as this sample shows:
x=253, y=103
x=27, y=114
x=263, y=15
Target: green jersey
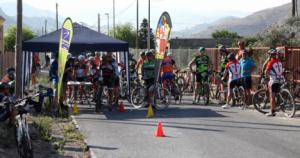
x=202, y=63
x=132, y=64
x=148, y=70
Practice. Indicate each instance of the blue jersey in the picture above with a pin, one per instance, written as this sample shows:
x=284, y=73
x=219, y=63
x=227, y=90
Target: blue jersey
x=246, y=67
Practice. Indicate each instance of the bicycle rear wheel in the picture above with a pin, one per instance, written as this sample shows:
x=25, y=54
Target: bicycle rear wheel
x=23, y=140
x=261, y=101
x=137, y=97
x=242, y=97
x=162, y=98
x=287, y=105
x=206, y=93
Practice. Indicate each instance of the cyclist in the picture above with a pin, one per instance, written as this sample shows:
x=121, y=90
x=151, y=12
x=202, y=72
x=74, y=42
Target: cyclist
x=140, y=62
x=93, y=74
x=132, y=64
x=110, y=58
x=167, y=71
x=242, y=47
x=107, y=78
x=233, y=68
x=274, y=69
x=97, y=59
x=247, y=67
x=9, y=76
x=224, y=61
x=81, y=70
x=148, y=74
x=203, y=64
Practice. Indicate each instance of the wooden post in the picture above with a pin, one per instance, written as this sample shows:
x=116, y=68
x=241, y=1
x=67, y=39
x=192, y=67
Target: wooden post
x=1, y=44
x=18, y=56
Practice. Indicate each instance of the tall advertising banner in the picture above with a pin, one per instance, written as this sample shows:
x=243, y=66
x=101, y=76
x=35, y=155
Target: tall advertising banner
x=162, y=37
x=64, y=45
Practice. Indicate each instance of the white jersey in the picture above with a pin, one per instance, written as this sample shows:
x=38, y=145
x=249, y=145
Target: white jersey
x=234, y=69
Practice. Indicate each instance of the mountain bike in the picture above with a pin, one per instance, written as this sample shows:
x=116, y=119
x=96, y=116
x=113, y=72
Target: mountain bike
x=239, y=96
x=160, y=96
x=204, y=90
x=283, y=98
x=22, y=136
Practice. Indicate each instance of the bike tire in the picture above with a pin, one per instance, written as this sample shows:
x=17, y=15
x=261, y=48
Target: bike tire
x=24, y=143
x=162, y=98
x=288, y=107
x=260, y=101
x=137, y=97
x=242, y=98
x=206, y=93
x=181, y=84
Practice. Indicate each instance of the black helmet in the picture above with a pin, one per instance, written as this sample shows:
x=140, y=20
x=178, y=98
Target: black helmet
x=222, y=49
x=10, y=70
x=231, y=56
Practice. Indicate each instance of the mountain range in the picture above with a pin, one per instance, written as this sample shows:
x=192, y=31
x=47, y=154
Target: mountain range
x=246, y=26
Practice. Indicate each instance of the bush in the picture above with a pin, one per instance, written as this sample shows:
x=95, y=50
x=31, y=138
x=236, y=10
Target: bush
x=43, y=125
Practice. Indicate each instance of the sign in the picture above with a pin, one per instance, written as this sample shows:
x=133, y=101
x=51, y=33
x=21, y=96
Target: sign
x=162, y=36
x=64, y=45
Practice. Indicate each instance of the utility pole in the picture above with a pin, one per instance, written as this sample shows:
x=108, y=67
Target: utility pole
x=42, y=30
x=137, y=25
x=56, y=16
x=45, y=26
x=99, y=22
x=18, y=55
x=107, y=23
x=148, y=37
x=114, y=17
x=293, y=8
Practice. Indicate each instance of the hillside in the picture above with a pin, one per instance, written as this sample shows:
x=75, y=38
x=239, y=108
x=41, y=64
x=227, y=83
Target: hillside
x=249, y=25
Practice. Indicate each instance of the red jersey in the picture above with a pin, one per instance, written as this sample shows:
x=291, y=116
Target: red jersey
x=167, y=64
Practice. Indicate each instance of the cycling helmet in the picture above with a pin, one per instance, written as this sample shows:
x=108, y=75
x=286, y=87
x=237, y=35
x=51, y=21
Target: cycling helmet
x=142, y=53
x=201, y=49
x=231, y=56
x=272, y=51
x=81, y=58
x=169, y=53
x=149, y=52
x=280, y=50
x=91, y=58
x=222, y=49
x=10, y=70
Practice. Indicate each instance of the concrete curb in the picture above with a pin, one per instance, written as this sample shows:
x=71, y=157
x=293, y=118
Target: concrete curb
x=92, y=154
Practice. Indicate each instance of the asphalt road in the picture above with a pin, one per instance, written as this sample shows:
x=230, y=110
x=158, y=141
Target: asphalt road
x=192, y=131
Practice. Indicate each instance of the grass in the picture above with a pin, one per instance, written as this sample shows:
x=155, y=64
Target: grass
x=71, y=133
x=44, y=126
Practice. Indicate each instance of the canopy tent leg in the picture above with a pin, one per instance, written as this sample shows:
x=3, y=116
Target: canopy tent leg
x=126, y=62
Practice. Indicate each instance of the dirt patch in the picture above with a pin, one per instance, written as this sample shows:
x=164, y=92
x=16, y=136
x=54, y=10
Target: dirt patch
x=63, y=139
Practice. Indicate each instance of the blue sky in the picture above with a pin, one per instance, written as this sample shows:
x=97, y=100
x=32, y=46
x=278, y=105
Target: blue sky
x=184, y=13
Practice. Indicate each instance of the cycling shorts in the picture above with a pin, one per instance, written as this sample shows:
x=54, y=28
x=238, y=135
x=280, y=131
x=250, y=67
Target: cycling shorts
x=201, y=76
x=247, y=82
x=167, y=76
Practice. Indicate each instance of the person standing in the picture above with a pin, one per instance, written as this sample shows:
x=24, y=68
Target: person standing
x=242, y=47
x=247, y=67
x=233, y=68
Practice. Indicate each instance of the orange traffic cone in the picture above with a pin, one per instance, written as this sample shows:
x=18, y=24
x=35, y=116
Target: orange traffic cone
x=159, y=130
x=121, y=107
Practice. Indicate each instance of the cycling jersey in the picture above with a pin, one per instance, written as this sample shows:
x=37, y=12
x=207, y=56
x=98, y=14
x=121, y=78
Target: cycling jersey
x=276, y=70
x=201, y=63
x=148, y=69
x=132, y=64
x=108, y=73
x=224, y=61
x=167, y=65
x=234, y=69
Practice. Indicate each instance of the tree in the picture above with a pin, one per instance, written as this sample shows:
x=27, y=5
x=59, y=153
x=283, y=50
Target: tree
x=225, y=34
x=126, y=33
x=10, y=37
x=143, y=34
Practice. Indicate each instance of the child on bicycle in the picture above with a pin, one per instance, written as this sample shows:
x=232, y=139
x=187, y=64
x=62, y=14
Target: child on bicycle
x=233, y=68
x=274, y=70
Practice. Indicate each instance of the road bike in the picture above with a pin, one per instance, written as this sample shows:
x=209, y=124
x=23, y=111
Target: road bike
x=283, y=98
x=160, y=96
x=204, y=90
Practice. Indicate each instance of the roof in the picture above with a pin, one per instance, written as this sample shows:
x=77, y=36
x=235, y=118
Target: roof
x=84, y=39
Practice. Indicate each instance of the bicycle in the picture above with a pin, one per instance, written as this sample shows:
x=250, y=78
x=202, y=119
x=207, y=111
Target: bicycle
x=204, y=90
x=239, y=96
x=22, y=136
x=47, y=92
x=217, y=92
x=174, y=90
x=104, y=92
x=283, y=98
x=160, y=97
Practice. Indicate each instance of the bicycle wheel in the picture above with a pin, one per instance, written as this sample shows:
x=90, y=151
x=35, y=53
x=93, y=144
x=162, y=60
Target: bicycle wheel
x=161, y=98
x=242, y=97
x=235, y=96
x=138, y=97
x=287, y=104
x=206, y=93
x=260, y=101
x=24, y=143
x=181, y=84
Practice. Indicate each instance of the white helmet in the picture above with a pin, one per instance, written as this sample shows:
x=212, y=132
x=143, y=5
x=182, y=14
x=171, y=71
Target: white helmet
x=81, y=57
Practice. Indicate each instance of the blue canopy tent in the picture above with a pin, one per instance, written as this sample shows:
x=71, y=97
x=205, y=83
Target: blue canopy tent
x=84, y=39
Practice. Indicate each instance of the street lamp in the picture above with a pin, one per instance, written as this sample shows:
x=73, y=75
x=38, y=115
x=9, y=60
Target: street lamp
x=107, y=23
